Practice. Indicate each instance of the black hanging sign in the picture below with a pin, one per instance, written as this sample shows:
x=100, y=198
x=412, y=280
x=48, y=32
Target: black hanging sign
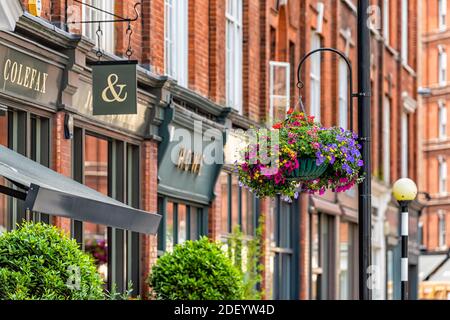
x=114, y=87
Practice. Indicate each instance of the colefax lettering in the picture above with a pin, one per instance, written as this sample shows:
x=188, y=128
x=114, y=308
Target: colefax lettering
x=25, y=76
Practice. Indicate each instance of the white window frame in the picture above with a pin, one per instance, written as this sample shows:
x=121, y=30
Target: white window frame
x=89, y=30
x=315, y=77
x=343, y=94
x=234, y=49
x=442, y=14
x=404, y=145
x=276, y=97
x=176, y=40
x=405, y=33
x=442, y=120
x=442, y=65
x=386, y=20
x=442, y=234
x=386, y=131
x=442, y=176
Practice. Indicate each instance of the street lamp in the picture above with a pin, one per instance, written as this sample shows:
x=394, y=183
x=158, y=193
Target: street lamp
x=404, y=191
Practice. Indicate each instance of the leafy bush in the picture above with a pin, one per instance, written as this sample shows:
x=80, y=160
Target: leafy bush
x=196, y=270
x=38, y=261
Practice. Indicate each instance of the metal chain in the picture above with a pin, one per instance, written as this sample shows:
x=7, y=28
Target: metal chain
x=99, y=35
x=129, y=49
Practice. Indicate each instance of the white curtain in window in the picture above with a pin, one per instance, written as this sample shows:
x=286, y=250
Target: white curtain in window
x=442, y=120
x=405, y=35
x=315, y=77
x=404, y=145
x=279, y=89
x=442, y=66
x=234, y=40
x=386, y=139
x=442, y=14
x=89, y=30
x=343, y=94
x=386, y=22
x=442, y=175
x=176, y=40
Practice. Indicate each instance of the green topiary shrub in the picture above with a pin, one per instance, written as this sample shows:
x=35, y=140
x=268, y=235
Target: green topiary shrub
x=38, y=261
x=196, y=270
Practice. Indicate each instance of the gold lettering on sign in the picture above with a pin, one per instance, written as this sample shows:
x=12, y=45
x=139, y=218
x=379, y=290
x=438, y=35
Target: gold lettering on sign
x=25, y=76
x=189, y=161
x=111, y=88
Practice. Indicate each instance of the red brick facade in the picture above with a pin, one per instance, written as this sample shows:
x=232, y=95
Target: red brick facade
x=270, y=34
x=435, y=144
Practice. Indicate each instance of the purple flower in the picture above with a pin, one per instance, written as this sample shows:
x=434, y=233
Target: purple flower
x=347, y=168
x=360, y=163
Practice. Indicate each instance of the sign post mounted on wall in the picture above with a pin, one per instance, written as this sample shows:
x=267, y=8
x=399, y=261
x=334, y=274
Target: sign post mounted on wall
x=114, y=87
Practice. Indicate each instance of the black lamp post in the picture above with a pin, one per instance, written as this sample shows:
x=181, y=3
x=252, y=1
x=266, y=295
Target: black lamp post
x=404, y=191
x=364, y=132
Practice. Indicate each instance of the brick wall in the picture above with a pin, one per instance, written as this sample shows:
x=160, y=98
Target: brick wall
x=432, y=146
x=149, y=253
x=61, y=161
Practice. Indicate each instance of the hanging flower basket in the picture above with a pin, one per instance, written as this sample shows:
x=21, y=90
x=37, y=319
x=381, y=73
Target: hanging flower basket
x=299, y=154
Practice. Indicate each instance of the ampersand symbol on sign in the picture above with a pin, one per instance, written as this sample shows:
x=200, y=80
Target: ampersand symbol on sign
x=111, y=88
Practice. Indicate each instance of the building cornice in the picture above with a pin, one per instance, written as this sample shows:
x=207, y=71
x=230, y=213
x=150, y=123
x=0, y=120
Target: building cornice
x=46, y=32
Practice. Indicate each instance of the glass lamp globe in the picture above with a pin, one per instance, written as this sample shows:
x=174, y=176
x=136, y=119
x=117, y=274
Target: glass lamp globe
x=404, y=190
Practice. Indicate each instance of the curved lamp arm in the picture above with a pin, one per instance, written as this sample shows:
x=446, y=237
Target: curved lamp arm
x=300, y=84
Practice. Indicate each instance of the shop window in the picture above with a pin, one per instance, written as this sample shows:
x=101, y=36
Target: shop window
x=238, y=206
x=14, y=129
x=234, y=54
x=89, y=30
x=181, y=222
x=279, y=90
x=282, y=259
x=344, y=261
x=321, y=256
x=96, y=177
x=390, y=266
x=112, y=168
x=176, y=40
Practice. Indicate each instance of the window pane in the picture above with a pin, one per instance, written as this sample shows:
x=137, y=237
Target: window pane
x=182, y=235
x=193, y=224
x=96, y=177
x=223, y=181
x=169, y=227
x=247, y=212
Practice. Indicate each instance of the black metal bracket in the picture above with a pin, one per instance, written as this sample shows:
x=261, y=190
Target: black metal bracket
x=119, y=18
x=352, y=95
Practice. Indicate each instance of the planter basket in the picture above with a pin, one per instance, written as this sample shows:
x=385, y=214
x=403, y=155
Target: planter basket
x=308, y=170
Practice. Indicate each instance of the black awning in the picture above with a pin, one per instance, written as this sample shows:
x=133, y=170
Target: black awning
x=47, y=191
